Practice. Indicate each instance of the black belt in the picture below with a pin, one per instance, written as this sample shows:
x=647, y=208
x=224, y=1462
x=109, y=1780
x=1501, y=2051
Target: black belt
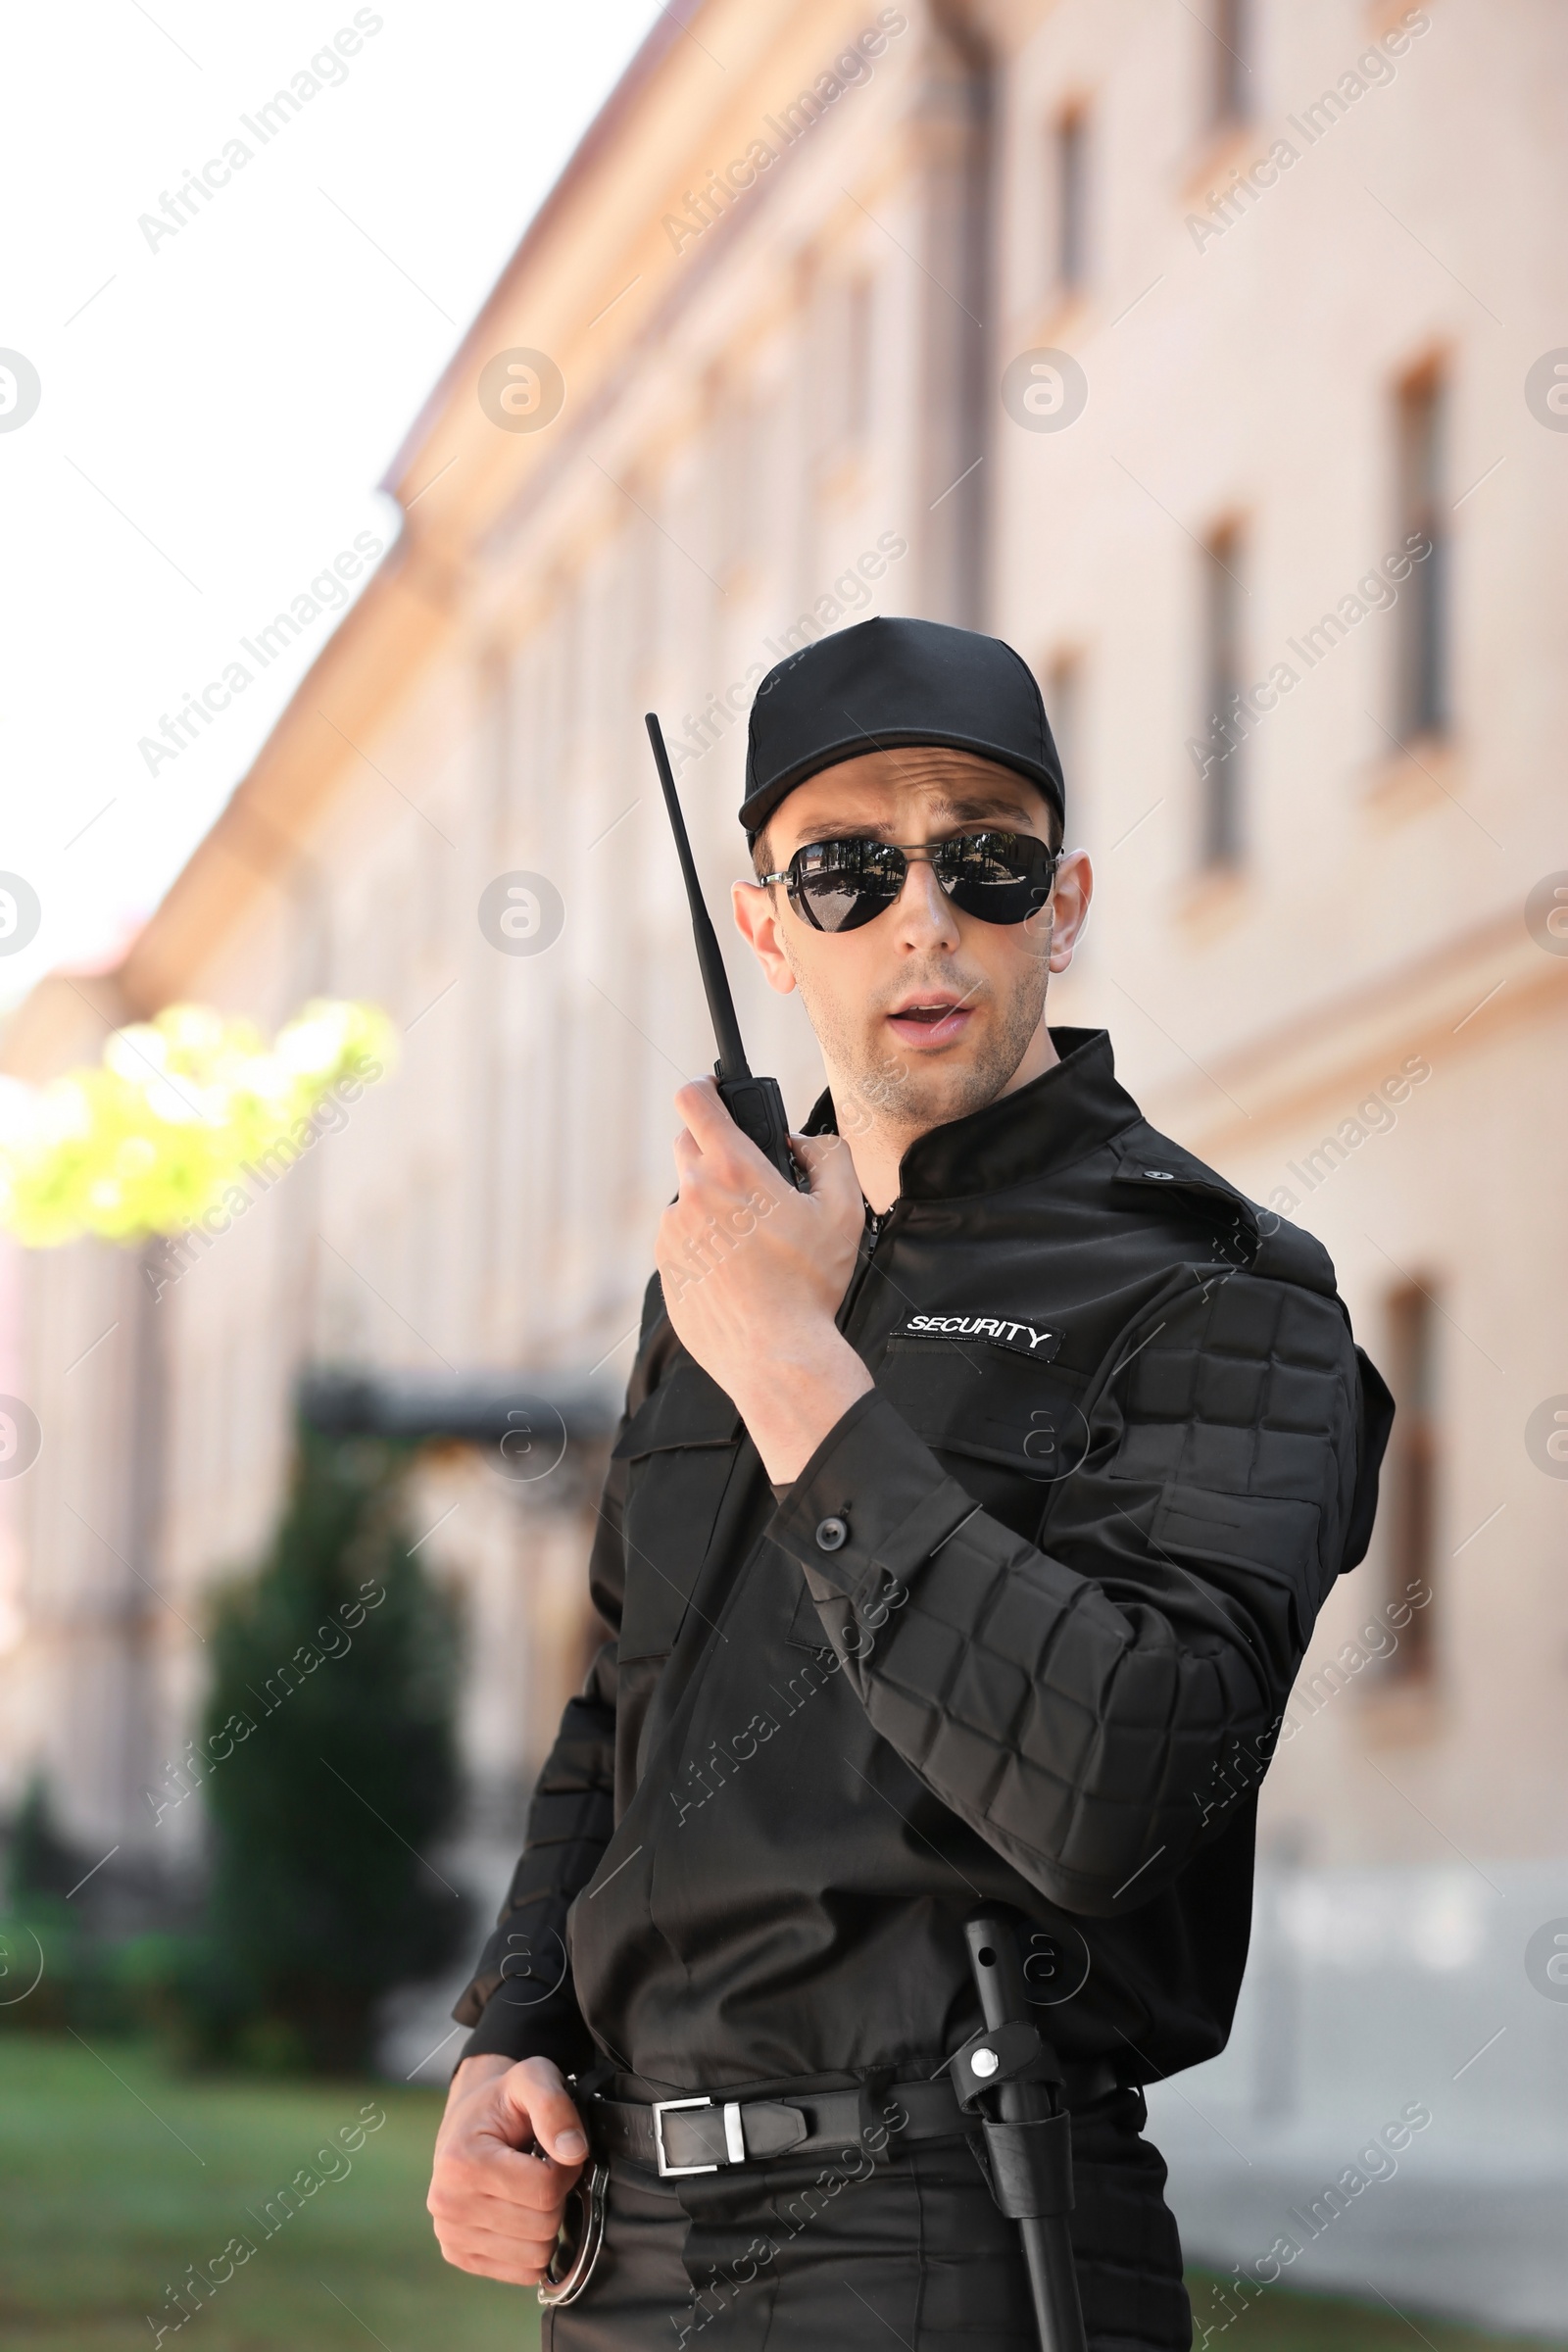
x=701, y=2133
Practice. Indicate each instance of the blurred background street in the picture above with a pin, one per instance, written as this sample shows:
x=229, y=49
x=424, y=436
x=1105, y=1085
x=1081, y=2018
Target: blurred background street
x=392, y=406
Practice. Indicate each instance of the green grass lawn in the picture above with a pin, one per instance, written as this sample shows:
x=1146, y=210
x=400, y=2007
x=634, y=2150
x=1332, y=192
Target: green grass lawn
x=111, y=2187
x=1278, y=2322
x=113, y=2183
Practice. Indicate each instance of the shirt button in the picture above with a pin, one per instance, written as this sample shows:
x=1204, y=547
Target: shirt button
x=832, y=1535
x=1160, y=1175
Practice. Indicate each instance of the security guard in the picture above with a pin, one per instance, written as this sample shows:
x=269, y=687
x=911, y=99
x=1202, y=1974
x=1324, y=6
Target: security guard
x=962, y=1538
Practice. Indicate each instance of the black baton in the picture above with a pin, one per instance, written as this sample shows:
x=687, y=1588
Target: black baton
x=1008, y=2075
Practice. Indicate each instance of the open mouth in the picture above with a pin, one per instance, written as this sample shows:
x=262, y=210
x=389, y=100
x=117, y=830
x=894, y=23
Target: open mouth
x=929, y=1021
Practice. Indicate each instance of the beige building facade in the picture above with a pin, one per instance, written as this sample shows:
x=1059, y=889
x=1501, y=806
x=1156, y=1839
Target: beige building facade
x=1198, y=354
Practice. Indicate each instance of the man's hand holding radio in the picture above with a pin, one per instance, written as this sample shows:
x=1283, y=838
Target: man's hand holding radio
x=754, y=1273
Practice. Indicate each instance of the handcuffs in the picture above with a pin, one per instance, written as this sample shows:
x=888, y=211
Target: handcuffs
x=582, y=2233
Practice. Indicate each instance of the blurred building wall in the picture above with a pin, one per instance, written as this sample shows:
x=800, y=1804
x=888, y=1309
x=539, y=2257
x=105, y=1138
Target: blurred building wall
x=832, y=388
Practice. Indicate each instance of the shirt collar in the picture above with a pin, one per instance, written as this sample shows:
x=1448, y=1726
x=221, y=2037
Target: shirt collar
x=1068, y=1112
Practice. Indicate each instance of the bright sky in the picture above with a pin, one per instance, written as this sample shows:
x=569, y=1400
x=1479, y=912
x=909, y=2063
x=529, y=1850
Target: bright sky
x=216, y=407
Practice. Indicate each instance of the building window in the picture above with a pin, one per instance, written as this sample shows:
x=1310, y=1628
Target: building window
x=1410, y=1492
x=1224, y=750
x=728, y=479
x=842, y=392
x=642, y=588
x=1230, y=87
x=857, y=322
x=1064, y=698
x=1071, y=176
x=1423, y=642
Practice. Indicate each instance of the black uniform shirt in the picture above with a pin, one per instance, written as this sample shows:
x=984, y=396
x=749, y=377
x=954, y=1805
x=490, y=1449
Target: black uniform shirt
x=1023, y=1630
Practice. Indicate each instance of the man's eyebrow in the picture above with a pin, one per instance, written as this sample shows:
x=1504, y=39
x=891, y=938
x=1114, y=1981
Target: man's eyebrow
x=850, y=829
x=982, y=804
x=969, y=811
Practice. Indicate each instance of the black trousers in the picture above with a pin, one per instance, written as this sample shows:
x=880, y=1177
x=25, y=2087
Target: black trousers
x=811, y=2256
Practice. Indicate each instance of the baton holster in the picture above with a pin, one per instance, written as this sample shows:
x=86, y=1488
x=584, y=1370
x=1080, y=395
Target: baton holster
x=1026, y=2157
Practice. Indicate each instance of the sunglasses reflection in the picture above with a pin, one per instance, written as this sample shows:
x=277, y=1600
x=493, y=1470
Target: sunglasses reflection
x=841, y=883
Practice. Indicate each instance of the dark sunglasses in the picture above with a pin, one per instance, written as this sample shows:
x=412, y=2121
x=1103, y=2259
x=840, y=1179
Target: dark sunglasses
x=839, y=885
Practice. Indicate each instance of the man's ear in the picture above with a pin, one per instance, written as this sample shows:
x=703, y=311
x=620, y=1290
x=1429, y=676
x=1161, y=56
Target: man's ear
x=756, y=919
x=1074, y=888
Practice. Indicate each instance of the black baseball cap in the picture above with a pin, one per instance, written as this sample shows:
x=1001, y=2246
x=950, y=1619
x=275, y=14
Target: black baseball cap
x=889, y=683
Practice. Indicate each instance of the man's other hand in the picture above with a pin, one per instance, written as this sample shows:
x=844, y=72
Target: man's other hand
x=754, y=1273
x=497, y=2211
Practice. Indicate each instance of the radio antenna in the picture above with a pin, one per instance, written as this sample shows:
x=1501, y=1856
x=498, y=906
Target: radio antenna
x=755, y=1105
x=732, y=1063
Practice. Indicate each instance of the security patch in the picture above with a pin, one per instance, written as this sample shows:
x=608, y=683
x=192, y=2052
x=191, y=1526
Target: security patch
x=1040, y=1341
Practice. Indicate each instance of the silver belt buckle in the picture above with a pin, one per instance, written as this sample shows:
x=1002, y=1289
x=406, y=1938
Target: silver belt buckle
x=666, y=2170
x=560, y=2285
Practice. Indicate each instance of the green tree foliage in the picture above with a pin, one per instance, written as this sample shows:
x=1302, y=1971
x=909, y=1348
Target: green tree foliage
x=40, y=1864
x=330, y=1771
x=51, y=1971
x=169, y=1123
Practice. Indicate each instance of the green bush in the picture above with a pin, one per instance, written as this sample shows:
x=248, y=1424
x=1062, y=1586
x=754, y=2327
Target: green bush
x=50, y=1971
x=329, y=1771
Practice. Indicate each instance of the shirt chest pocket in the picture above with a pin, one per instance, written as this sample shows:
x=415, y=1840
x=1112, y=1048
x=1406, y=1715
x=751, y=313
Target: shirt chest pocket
x=1007, y=1429
x=989, y=1404
x=680, y=1446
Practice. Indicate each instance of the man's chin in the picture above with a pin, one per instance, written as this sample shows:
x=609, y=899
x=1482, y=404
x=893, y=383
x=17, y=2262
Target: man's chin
x=934, y=1085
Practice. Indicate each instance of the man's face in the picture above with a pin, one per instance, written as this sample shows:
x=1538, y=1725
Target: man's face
x=923, y=1013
